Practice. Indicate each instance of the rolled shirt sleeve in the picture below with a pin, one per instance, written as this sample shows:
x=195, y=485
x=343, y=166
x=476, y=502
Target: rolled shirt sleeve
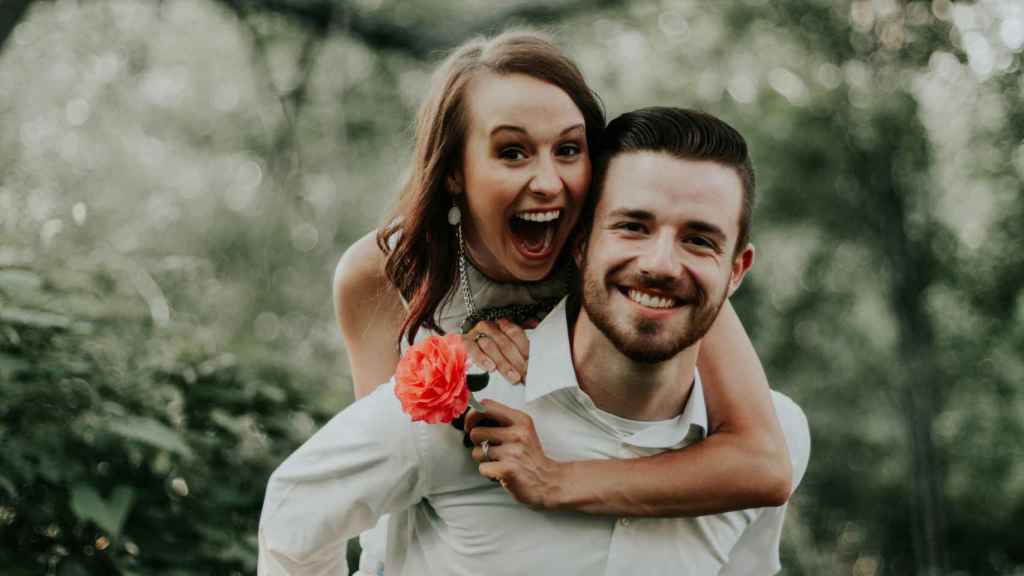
x=364, y=463
x=757, y=551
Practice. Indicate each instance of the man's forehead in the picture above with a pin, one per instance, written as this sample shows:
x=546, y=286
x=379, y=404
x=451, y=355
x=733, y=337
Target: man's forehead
x=667, y=186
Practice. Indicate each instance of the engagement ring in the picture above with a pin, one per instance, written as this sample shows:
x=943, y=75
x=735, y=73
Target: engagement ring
x=485, y=446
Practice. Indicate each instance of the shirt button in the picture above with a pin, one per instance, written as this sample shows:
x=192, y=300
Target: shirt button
x=624, y=521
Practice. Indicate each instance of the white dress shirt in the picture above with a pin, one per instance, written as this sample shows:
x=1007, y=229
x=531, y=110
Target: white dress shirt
x=448, y=519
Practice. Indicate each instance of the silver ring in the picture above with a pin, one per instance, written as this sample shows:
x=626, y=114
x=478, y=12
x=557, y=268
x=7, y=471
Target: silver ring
x=479, y=336
x=486, y=446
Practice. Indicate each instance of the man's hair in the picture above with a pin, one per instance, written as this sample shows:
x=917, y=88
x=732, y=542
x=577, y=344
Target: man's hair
x=683, y=133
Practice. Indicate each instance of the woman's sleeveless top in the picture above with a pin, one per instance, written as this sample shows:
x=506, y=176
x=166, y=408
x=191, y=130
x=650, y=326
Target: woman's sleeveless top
x=516, y=301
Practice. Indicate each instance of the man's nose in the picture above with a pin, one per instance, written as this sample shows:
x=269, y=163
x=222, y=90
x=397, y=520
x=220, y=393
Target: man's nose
x=661, y=257
x=546, y=182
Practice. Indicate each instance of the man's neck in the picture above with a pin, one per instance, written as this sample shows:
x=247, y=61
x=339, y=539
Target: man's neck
x=626, y=388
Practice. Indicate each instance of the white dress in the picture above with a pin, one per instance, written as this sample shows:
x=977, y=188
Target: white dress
x=492, y=300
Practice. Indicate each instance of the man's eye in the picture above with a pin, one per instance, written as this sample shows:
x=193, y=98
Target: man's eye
x=512, y=153
x=632, y=227
x=701, y=242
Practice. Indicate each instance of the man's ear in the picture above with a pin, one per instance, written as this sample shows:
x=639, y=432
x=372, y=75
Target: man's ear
x=740, y=265
x=578, y=247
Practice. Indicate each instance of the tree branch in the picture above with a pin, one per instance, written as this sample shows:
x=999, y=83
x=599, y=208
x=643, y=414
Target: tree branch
x=415, y=39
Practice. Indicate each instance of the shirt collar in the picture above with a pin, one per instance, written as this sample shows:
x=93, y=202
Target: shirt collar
x=550, y=369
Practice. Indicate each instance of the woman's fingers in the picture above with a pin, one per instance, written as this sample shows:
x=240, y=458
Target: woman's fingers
x=518, y=337
x=477, y=355
x=491, y=348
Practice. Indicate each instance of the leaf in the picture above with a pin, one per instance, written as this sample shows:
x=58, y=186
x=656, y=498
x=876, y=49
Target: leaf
x=19, y=280
x=151, y=432
x=8, y=487
x=35, y=318
x=477, y=382
x=87, y=504
x=10, y=364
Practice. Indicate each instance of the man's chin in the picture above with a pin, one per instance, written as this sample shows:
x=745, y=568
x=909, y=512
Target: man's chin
x=648, y=350
x=649, y=355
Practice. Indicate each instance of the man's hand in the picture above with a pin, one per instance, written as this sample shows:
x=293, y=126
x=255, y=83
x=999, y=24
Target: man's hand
x=515, y=456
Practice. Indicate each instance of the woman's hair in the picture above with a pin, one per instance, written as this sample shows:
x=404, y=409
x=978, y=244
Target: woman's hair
x=422, y=263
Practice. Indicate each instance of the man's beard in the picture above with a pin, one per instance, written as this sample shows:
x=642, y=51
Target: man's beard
x=648, y=341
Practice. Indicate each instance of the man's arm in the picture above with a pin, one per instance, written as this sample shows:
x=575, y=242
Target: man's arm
x=364, y=463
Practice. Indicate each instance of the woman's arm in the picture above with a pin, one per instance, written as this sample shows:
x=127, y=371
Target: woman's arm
x=369, y=312
x=743, y=463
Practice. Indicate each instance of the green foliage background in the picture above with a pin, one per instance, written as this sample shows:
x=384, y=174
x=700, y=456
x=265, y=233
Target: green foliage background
x=178, y=179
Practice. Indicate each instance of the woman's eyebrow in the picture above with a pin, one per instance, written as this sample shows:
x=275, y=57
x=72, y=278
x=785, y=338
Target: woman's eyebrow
x=509, y=128
x=521, y=130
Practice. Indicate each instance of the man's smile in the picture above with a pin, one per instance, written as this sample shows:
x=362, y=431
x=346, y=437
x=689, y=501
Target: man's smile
x=650, y=299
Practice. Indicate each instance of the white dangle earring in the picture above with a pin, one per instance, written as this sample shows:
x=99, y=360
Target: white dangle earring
x=455, y=215
x=455, y=219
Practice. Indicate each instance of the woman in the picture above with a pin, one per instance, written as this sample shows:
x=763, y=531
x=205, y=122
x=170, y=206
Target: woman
x=499, y=174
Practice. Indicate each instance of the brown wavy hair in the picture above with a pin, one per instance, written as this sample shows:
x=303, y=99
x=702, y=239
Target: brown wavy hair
x=422, y=263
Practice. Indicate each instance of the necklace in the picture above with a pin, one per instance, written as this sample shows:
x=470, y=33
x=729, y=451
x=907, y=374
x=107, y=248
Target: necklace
x=517, y=313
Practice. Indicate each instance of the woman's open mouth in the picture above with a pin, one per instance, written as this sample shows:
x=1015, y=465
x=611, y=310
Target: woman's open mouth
x=534, y=232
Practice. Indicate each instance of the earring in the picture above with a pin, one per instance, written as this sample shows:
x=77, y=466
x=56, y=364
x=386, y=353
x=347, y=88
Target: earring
x=454, y=215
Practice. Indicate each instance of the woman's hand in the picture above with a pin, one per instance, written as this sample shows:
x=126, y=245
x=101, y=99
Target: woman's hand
x=500, y=345
x=514, y=455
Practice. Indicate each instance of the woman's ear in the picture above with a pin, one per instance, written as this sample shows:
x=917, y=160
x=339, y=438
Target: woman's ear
x=453, y=183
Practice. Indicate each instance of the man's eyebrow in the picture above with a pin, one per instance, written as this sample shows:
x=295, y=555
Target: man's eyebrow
x=645, y=215
x=632, y=213
x=706, y=227
x=521, y=130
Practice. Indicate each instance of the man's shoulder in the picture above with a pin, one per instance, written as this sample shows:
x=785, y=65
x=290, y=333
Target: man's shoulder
x=797, y=432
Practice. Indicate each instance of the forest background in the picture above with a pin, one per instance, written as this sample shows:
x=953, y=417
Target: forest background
x=178, y=179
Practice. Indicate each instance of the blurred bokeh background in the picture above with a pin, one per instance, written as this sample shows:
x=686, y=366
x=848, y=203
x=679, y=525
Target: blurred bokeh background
x=178, y=179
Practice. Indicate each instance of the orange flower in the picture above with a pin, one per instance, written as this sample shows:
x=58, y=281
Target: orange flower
x=430, y=381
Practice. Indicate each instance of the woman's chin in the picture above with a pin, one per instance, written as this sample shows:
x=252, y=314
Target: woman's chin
x=532, y=267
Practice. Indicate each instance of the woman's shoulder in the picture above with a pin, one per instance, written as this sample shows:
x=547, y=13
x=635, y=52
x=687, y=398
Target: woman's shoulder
x=361, y=266
x=360, y=277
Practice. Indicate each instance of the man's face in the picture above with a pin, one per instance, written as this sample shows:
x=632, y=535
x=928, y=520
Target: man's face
x=660, y=261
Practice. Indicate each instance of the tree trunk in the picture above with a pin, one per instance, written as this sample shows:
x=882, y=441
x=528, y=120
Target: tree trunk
x=11, y=12
x=920, y=391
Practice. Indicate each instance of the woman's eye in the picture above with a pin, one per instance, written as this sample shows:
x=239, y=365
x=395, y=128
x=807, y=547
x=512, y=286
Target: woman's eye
x=570, y=149
x=512, y=153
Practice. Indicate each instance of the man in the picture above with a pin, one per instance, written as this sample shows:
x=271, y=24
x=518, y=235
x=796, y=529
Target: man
x=664, y=246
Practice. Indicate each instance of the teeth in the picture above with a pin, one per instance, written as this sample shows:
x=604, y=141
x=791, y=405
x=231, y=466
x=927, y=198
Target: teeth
x=650, y=301
x=539, y=216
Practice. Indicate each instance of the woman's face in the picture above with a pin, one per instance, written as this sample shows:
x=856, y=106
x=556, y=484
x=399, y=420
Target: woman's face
x=525, y=170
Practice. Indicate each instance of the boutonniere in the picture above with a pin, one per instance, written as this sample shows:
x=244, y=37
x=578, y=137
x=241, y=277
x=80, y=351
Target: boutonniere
x=432, y=381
